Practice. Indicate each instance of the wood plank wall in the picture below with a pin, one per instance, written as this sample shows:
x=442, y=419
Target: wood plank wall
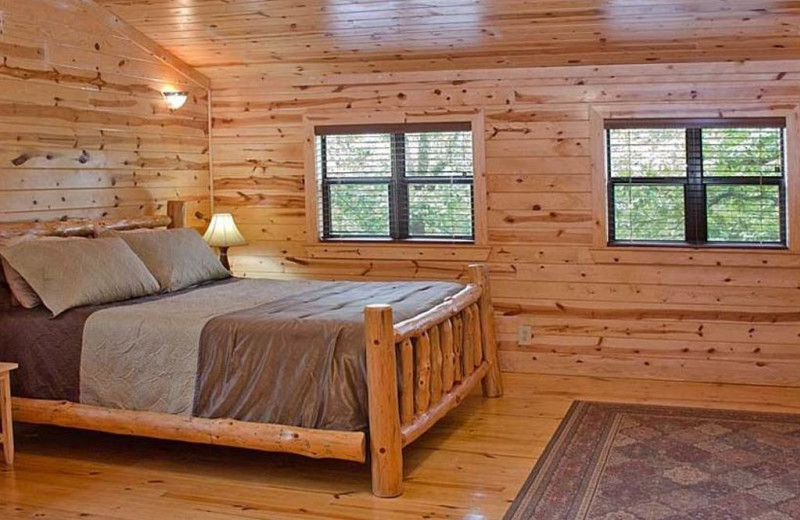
x=84, y=130
x=701, y=316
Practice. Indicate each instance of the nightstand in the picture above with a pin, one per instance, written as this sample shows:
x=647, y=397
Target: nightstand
x=7, y=435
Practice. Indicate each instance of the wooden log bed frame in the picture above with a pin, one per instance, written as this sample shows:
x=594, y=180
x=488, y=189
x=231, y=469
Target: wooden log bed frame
x=439, y=356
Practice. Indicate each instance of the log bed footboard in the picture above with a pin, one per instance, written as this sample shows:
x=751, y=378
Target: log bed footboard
x=439, y=357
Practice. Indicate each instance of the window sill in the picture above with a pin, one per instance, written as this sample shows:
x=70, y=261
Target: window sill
x=367, y=240
x=699, y=256
x=686, y=246
x=403, y=250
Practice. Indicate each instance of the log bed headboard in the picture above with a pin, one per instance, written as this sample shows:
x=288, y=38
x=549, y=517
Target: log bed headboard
x=174, y=218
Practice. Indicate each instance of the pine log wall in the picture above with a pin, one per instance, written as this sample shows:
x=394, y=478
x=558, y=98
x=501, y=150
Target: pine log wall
x=84, y=130
x=706, y=316
x=700, y=316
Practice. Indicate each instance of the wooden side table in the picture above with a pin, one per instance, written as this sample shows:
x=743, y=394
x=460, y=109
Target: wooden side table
x=7, y=435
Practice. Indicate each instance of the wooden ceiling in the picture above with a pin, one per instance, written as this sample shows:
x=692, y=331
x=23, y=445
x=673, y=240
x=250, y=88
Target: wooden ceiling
x=341, y=36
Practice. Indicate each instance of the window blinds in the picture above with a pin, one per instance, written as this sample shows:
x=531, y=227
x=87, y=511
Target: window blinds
x=396, y=181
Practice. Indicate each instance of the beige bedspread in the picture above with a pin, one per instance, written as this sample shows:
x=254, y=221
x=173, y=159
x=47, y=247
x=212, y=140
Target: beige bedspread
x=287, y=352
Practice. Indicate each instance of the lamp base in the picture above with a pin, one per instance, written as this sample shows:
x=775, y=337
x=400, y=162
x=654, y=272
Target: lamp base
x=223, y=258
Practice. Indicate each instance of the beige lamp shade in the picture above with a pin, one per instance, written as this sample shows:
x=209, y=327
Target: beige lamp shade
x=222, y=232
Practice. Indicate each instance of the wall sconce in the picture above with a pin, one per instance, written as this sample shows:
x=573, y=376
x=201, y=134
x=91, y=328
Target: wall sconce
x=176, y=100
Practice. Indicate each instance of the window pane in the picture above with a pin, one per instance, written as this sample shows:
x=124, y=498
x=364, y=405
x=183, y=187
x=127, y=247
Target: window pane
x=396, y=185
x=645, y=152
x=649, y=213
x=743, y=213
x=443, y=210
x=443, y=154
x=359, y=209
x=359, y=155
x=743, y=152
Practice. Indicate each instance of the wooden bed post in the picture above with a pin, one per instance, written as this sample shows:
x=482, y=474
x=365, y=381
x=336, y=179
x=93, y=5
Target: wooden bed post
x=492, y=383
x=176, y=211
x=386, y=445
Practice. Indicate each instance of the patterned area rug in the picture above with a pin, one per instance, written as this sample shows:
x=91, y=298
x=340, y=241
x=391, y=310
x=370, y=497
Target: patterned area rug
x=628, y=462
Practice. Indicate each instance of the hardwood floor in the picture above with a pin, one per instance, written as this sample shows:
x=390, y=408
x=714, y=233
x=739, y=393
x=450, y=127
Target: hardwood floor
x=469, y=467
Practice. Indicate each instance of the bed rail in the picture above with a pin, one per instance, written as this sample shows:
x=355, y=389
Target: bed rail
x=439, y=357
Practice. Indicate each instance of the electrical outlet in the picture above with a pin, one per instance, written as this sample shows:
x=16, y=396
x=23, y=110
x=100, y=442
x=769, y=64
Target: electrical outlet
x=524, y=335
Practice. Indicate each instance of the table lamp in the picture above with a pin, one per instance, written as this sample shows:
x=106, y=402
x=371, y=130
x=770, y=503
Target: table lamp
x=223, y=233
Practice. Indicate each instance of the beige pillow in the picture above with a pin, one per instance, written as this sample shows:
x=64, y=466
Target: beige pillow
x=21, y=291
x=178, y=258
x=74, y=272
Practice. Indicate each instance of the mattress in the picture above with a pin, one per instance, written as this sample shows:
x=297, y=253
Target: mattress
x=285, y=352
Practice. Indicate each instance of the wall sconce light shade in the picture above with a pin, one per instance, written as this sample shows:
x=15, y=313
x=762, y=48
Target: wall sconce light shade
x=176, y=100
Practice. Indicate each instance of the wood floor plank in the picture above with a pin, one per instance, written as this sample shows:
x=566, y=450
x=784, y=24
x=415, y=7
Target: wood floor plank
x=470, y=466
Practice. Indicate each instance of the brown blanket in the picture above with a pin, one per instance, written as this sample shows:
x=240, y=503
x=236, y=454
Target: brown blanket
x=304, y=355
x=48, y=349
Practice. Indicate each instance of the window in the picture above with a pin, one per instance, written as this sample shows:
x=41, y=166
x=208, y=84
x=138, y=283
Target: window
x=697, y=183
x=399, y=182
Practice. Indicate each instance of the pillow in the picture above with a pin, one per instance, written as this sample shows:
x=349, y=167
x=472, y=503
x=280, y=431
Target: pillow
x=21, y=291
x=178, y=258
x=100, y=231
x=73, y=272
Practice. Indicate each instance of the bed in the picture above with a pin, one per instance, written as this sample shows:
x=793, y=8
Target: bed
x=345, y=370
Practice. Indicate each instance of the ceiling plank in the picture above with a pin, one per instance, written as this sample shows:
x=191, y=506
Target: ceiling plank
x=334, y=37
x=146, y=43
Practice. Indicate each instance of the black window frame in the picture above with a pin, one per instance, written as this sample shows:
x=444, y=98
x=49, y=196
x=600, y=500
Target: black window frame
x=695, y=182
x=398, y=183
